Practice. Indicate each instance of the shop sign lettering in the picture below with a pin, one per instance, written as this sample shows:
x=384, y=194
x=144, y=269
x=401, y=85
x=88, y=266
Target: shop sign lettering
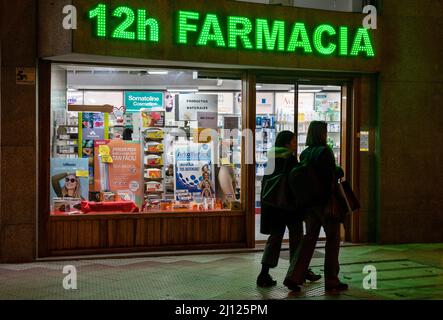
x=235, y=32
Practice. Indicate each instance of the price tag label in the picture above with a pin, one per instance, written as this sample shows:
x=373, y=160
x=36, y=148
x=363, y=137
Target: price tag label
x=104, y=150
x=107, y=159
x=82, y=173
x=225, y=162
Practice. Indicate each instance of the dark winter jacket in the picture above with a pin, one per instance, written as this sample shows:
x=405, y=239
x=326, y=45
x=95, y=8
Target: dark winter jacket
x=285, y=161
x=323, y=160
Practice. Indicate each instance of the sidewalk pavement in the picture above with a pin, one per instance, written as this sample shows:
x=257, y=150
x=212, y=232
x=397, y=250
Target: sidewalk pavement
x=403, y=272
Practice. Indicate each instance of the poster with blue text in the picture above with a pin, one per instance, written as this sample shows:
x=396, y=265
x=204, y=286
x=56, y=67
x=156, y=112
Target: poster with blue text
x=194, y=171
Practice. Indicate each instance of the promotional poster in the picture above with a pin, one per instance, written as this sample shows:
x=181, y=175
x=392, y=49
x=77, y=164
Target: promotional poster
x=194, y=170
x=118, y=169
x=69, y=179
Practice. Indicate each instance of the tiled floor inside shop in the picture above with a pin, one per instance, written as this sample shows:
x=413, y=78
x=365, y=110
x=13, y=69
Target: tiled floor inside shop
x=403, y=272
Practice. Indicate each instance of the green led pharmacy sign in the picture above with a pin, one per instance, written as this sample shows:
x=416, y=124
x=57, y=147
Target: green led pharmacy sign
x=232, y=32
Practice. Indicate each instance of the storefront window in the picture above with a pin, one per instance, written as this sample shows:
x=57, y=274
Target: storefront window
x=132, y=140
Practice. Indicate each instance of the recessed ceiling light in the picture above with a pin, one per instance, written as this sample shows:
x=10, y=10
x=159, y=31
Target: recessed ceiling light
x=179, y=90
x=310, y=91
x=158, y=72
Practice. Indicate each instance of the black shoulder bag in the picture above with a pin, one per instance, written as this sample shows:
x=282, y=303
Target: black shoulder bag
x=276, y=191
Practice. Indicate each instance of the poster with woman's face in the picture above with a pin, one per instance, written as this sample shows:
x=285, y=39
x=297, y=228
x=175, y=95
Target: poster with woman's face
x=69, y=179
x=72, y=187
x=169, y=105
x=169, y=102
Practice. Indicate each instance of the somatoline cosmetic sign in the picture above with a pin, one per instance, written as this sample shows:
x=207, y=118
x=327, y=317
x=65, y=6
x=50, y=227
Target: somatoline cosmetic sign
x=199, y=29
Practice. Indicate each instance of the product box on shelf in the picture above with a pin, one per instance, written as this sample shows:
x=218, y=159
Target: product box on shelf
x=154, y=133
x=153, y=160
x=107, y=197
x=154, y=186
x=154, y=147
x=153, y=119
x=153, y=173
x=67, y=205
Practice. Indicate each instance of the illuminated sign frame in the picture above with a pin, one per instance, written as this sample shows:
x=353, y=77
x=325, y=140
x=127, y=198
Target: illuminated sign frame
x=232, y=32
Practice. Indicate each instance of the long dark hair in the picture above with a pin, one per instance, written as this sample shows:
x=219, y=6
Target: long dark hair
x=317, y=133
x=284, y=138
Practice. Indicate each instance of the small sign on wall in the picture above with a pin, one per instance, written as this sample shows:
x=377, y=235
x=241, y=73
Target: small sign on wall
x=364, y=141
x=207, y=120
x=25, y=76
x=189, y=105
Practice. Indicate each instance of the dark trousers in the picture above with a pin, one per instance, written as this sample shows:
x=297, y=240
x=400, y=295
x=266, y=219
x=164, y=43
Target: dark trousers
x=272, y=251
x=315, y=218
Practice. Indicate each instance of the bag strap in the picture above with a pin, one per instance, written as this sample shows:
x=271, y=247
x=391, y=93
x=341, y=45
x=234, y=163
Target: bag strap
x=285, y=167
x=343, y=194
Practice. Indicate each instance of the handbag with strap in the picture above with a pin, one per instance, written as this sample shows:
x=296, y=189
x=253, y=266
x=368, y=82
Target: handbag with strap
x=352, y=200
x=276, y=192
x=343, y=201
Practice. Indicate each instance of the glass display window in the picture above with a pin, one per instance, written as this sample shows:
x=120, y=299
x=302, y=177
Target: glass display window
x=163, y=142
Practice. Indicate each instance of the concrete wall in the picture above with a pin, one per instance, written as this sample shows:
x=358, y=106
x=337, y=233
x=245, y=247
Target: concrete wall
x=18, y=133
x=410, y=119
x=366, y=99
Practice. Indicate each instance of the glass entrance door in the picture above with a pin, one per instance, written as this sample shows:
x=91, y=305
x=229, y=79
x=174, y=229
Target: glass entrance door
x=275, y=112
x=293, y=107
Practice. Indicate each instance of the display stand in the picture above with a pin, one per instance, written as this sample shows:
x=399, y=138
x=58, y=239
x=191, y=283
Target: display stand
x=154, y=172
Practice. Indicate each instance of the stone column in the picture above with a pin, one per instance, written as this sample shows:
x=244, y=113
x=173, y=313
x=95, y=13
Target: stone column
x=18, y=194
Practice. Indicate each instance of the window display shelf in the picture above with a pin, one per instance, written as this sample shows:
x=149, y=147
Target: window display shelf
x=153, y=179
x=153, y=145
x=151, y=214
x=156, y=166
x=153, y=139
x=327, y=121
x=153, y=153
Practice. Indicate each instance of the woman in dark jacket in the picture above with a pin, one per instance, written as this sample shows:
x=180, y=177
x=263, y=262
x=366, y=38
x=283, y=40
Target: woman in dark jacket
x=321, y=157
x=273, y=220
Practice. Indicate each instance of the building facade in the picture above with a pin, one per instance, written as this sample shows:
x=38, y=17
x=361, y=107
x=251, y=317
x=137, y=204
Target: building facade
x=386, y=83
